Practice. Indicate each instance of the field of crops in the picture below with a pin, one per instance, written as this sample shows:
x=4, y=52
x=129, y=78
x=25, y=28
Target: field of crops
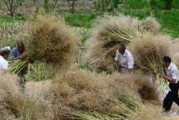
x=73, y=74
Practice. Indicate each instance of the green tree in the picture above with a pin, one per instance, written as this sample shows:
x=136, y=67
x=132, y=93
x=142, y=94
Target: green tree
x=46, y=6
x=168, y=4
x=12, y=5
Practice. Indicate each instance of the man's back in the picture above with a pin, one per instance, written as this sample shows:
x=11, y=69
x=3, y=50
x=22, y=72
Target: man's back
x=3, y=65
x=15, y=53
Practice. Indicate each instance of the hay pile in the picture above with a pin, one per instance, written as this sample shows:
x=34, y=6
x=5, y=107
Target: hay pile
x=81, y=91
x=175, y=50
x=78, y=94
x=148, y=51
x=51, y=41
x=150, y=24
x=112, y=30
x=146, y=89
x=15, y=105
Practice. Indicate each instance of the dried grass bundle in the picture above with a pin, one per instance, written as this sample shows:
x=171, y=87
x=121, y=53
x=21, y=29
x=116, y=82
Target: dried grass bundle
x=108, y=32
x=15, y=105
x=112, y=30
x=146, y=88
x=85, y=91
x=150, y=24
x=51, y=41
x=175, y=49
x=148, y=51
x=94, y=116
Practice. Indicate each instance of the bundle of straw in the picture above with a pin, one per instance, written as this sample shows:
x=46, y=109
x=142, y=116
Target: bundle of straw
x=111, y=30
x=148, y=51
x=16, y=66
x=108, y=32
x=150, y=24
x=51, y=41
x=94, y=116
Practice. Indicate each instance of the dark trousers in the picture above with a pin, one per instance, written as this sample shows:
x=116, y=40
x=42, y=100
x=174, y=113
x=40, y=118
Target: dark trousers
x=171, y=97
x=22, y=82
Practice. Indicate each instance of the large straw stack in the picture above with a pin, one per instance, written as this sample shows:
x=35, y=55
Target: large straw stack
x=111, y=30
x=80, y=91
x=148, y=51
x=51, y=41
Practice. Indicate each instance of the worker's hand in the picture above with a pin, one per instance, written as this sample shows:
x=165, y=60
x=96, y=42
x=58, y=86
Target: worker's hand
x=162, y=76
x=22, y=57
x=31, y=61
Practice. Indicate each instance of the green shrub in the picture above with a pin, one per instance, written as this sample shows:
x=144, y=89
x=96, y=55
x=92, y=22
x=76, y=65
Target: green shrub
x=80, y=20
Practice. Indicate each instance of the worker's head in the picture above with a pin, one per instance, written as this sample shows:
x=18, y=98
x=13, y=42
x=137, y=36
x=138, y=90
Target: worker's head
x=122, y=48
x=20, y=46
x=166, y=61
x=5, y=54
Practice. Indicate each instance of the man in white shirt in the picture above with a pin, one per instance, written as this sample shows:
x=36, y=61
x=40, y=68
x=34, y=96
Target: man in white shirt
x=172, y=76
x=4, y=54
x=124, y=59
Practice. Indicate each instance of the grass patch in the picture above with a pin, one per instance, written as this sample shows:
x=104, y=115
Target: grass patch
x=138, y=4
x=169, y=21
x=141, y=14
x=8, y=19
x=176, y=4
x=80, y=20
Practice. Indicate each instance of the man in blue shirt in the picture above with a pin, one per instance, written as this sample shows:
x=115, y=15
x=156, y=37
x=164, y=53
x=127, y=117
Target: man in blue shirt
x=18, y=54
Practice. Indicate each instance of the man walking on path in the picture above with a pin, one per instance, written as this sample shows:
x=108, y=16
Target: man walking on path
x=172, y=76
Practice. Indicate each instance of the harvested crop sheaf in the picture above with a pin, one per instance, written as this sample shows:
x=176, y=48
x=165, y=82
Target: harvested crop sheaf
x=16, y=105
x=150, y=24
x=148, y=51
x=112, y=30
x=51, y=41
x=85, y=91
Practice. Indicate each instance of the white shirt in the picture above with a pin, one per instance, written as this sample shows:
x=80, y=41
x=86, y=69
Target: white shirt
x=3, y=65
x=172, y=72
x=126, y=60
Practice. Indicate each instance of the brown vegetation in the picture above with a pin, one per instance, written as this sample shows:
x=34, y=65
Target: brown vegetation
x=51, y=41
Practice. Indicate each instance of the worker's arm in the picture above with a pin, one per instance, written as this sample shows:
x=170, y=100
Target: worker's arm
x=171, y=80
x=130, y=64
x=21, y=57
x=118, y=67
